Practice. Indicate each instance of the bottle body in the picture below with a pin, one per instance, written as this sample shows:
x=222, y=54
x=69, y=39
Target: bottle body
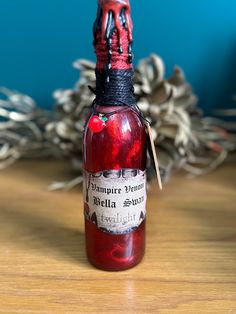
x=120, y=149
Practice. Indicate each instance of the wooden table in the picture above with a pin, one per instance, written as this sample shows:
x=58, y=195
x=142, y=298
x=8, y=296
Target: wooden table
x=190, y=262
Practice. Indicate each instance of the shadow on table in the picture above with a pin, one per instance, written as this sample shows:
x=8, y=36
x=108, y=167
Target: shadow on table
x=38, y=232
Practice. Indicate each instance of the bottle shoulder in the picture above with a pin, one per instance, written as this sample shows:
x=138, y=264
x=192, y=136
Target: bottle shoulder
x=118, y=115
x=120, y=144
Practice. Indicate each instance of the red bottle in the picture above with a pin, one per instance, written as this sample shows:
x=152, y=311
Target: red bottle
x=114, y=149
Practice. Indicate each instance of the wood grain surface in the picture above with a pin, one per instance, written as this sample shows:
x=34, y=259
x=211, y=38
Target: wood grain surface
x=190, y=262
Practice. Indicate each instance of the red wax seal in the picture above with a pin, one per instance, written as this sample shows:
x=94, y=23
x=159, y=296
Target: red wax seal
x=96, y=124
x=115, y=6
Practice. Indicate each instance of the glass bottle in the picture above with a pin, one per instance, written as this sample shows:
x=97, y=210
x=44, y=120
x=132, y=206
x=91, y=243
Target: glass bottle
x=114, y=158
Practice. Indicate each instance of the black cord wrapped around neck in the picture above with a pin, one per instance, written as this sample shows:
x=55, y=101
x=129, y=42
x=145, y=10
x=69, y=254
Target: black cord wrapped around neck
x=117, y=91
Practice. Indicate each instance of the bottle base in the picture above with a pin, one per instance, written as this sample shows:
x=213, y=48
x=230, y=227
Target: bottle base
x=114, y=252
x=115, y=268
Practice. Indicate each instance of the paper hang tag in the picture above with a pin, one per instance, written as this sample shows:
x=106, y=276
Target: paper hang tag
x=154, y=155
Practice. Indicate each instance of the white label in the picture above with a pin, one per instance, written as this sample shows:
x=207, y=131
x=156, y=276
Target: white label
x=115, y=200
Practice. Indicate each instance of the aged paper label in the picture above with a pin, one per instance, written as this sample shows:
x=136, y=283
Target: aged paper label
x=115, y=200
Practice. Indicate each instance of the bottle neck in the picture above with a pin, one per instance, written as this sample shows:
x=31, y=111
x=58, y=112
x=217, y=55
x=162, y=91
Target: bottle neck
x=116, y=91
x=112, y=56
x=113, y=34
x=113, y=47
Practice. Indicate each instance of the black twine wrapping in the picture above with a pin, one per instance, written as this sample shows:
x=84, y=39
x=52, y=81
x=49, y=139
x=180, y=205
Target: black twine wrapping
x=117, y=91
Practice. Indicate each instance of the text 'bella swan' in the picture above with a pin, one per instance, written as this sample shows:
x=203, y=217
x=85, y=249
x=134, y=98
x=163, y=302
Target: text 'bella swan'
x=128, y=189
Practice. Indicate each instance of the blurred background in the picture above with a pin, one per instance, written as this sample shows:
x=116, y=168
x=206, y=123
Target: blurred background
x=41, y=39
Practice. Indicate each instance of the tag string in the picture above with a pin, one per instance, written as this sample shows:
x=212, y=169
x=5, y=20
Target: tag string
x=154, y=154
